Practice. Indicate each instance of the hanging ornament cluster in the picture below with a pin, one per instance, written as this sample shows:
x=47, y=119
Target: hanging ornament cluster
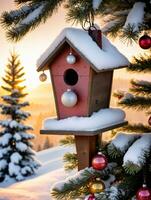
x=144, y=193
x=71, y=59
x=43, y=77
x=99, y=162
x=69, y=98
x=145, y=42
x=149, y=121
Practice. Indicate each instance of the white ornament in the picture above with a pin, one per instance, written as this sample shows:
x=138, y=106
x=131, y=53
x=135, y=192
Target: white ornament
x=69, y=98
x=71, y=59
x=43, y=77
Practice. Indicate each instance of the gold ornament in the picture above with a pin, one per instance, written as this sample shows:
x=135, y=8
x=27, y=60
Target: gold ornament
x=43, y=77
x=97, y=186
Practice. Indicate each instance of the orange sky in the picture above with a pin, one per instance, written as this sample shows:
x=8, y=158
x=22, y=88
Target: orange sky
x=34, y=43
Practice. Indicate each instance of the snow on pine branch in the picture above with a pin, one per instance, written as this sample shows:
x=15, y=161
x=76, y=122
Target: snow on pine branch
x=33, y=15
x=4, y=151
x=96, y=4
x=23, y=11
x=112, y=193
x=82, y=177
x=16, y=158
x=4, y=140
x=109, y=25
x=3, y=164
x=121, y=143
x=14, y=124
x=138, y=153
x=135, y=16
x=22, y=147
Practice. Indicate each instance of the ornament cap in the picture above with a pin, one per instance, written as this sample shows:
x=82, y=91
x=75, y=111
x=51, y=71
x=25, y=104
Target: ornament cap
x=69, y=90
x=144, y=185
x=98, y=179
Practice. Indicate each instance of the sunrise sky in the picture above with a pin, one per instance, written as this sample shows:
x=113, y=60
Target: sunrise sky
x=34, y=44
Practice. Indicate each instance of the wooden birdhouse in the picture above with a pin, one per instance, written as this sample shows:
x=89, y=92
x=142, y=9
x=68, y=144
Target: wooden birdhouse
x=81, y=65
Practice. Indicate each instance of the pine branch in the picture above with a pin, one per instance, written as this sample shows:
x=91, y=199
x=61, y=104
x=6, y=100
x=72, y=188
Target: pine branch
x=115, y=150
x=137, y=102
x=129, y=34
x=36, y=13
x=22, y=1
x=114, y=28
x=71, y=161
x=142, y=149
x=138, y=128
x=78, y=184
x=68, y=140
x=141, y=88
x=141, y=64
x=79, y=11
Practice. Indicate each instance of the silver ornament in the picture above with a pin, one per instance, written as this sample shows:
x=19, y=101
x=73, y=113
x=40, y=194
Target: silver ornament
x=43, y=77
x=71, y=59
x=69, y=98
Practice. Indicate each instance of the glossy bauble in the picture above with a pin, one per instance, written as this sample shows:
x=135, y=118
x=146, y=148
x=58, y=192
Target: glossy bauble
x=90, y=197
x=71, y=59
x=99, y=162
x=69, y=98
x=145, y=42
x=96, y=186
x=43, y=77
x=149, y=121
x=144, y=193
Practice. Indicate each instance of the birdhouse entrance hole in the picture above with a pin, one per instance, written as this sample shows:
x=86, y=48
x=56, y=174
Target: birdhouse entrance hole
x=70, y=77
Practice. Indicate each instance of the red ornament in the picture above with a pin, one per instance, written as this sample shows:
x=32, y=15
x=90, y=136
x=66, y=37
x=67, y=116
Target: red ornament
x=99, y=162
x=120, y=96
x=144, y=193
x=145, y=42
x=90, y=197
x=149, y=121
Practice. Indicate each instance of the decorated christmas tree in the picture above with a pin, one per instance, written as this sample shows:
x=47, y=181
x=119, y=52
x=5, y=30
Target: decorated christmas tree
x=16, y=153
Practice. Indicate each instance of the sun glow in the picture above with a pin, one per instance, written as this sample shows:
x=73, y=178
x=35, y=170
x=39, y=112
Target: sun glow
x=35, y=43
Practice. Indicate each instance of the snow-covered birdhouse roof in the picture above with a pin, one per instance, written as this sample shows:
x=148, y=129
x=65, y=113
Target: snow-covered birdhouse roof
x=103, y=59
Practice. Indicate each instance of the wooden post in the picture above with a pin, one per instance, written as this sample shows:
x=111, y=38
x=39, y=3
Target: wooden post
x=86, y=150
x=86, y=142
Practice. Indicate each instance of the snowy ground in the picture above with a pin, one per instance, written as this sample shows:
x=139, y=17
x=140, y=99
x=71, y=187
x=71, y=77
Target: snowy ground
x=37, y=187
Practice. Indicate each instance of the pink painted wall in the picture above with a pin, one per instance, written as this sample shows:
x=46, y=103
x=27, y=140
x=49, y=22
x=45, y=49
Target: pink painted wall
x=58, y=67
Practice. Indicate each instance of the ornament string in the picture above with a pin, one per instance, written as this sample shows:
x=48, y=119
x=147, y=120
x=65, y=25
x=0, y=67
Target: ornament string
x=88, y=23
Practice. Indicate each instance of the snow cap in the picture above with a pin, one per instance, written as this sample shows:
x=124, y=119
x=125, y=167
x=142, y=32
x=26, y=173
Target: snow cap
x=104, y=59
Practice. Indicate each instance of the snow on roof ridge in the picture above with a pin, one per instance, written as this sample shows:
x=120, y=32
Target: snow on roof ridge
x=106, y=58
